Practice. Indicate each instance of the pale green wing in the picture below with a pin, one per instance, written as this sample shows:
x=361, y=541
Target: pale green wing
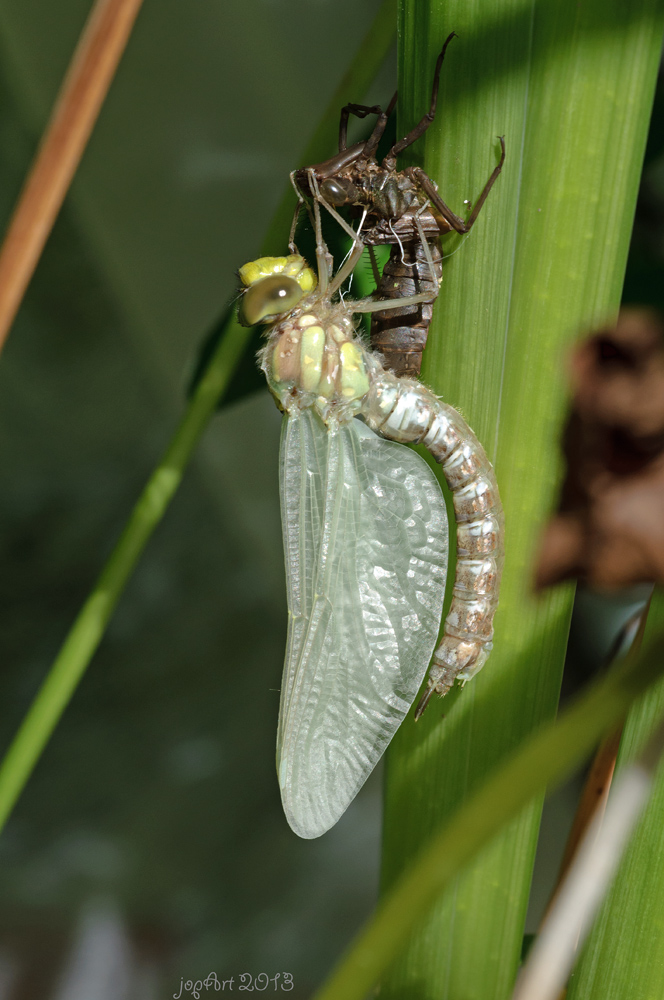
x=365, y=540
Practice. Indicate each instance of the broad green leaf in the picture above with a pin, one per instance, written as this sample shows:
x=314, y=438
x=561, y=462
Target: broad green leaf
x=570, y=87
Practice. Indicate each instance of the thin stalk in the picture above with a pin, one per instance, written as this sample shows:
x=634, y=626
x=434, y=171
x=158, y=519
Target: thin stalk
x=544, y=760
x=591, y=872
x=595, y=794
x=90, y=624
x=592, y=805
x=85, y=85
x=624, y=957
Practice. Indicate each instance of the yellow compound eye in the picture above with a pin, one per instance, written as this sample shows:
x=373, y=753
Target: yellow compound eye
x=268, y=299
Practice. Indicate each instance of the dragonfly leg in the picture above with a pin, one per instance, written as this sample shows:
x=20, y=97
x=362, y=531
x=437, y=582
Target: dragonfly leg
x=301, y=202
x=296, y=218
x=426, y=120
x=423, y=180
x=489, y=184
x=358, y=244
x=403, y=301
x=360, y=111
x=371, y=144
x=335, y=215
x=426, y=249
x=323, y=256
x=347, y=269
x=382, y=305
x=374, y=265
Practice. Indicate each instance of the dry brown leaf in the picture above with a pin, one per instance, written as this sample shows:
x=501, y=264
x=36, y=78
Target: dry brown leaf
x=609, y=529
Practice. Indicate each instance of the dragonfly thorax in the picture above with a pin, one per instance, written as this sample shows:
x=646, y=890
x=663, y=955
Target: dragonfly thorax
x=389, y=194
x=383, y=194
x=313, y=358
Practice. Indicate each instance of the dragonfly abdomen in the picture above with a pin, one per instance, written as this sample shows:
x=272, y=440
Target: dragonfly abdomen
x=400, y=335
x=409, y=412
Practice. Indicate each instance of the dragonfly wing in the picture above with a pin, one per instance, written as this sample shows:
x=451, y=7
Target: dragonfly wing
x=365, y=539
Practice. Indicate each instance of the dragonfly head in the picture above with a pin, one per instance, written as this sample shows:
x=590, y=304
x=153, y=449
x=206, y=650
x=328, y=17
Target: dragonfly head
x=312, y=356
x=274, y=286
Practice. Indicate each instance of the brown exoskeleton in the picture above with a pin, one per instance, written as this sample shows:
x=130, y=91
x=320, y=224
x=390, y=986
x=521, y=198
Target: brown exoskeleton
x=401, y=208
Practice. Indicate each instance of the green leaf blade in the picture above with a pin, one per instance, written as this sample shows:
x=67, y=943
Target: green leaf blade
x=570, y=86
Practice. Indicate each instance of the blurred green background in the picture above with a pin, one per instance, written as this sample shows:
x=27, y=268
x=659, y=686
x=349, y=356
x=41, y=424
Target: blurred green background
x=151, y=835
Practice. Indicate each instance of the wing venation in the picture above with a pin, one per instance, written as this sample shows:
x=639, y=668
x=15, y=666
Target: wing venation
x=365, y=540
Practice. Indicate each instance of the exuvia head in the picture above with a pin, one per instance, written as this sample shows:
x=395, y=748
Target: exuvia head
x=274, y=286
x=339, y=191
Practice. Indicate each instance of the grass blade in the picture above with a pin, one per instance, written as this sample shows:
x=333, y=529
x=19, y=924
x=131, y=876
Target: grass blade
x=82, y=94
x=88, y=629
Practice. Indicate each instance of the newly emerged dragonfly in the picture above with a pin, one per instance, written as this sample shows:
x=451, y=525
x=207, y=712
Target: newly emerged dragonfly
x=401, y=208
x=365, y=538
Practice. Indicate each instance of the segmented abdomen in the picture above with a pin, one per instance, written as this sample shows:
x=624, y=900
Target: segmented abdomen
x=406, y=411
x=401, y=334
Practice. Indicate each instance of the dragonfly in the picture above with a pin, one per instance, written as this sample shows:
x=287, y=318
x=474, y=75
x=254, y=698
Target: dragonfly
x=401, y=208
x=365, y=536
